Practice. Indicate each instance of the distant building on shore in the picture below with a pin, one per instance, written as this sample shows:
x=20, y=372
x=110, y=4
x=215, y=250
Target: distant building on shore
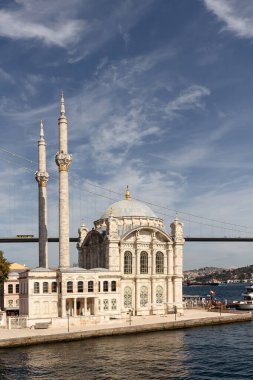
x=9, y=294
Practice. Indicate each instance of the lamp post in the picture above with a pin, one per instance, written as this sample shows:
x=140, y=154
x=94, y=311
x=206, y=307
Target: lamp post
x=175, y=311
x=68, y=319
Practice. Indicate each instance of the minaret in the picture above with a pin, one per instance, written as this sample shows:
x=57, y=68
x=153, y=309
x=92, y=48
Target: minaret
x=42, y=177
x=63, y=160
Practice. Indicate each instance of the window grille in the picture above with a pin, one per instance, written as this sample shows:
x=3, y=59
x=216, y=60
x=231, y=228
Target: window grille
x=143, y=296
x=36, y=287
x=69, y=287
x=114, y=304
x=128, y=262
x=106, y=304
x=144, y=263
x=159, y=294
x=90, y=286
x=45, y=287
x=80, y=286
x=127, y=297
x=105, y=286
x=113, y=286
x=159, y=260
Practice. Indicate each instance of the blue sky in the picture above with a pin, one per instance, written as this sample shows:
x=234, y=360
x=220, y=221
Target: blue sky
x=158, y=96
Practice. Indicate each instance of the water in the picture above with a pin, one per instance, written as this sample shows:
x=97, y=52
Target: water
x=218, y=352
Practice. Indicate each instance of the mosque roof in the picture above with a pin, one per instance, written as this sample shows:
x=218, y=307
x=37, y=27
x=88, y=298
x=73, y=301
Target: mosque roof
x=128, y=207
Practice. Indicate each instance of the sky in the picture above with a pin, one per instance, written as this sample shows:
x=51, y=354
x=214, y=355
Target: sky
x=158, y=96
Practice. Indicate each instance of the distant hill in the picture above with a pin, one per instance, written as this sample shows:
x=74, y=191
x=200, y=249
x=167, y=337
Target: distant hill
x=207, y=274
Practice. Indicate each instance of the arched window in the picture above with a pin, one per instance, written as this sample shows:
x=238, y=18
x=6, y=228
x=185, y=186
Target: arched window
x=144, y=263
x=159, y=262
x=80, y=286
x=54, y=287
x=105, y=286
x=128, y=262
x=36, y=287
x=10, y=288
x=143, y=296
x=45, y=287
x=69, y=287
x=90, y=286
x=127, y=297
x=159, y=294
x=113, y=286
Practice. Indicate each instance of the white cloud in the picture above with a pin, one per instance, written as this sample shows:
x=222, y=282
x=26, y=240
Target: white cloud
x=18, y=25
x=237, y=15
x=189, y=98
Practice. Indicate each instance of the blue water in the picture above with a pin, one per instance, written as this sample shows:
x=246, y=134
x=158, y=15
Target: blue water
x=218, y=352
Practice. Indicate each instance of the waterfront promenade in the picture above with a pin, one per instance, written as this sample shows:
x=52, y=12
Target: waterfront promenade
x=191, y=318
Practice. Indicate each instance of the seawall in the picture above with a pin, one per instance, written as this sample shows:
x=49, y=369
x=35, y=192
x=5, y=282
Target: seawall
x=50, y=337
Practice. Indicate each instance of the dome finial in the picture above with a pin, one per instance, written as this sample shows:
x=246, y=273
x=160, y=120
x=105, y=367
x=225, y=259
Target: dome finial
x=127, y=194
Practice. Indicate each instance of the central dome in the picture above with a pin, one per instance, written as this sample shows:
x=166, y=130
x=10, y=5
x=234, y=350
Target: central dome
x=128, y=207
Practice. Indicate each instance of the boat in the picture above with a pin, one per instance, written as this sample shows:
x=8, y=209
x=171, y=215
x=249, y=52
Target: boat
x=195, y=283
x=247, y=299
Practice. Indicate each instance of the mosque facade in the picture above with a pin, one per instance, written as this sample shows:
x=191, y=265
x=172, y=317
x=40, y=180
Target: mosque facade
x=127, y=264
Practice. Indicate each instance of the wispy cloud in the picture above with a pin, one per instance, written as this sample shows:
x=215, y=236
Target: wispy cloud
x=237, y=15
x=190, y=98
x=19, y=25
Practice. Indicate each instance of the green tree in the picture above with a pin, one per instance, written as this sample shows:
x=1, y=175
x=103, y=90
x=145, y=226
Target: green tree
x=4, y=268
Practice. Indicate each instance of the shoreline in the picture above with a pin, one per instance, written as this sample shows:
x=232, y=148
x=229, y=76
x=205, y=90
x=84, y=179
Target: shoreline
x=191, y=319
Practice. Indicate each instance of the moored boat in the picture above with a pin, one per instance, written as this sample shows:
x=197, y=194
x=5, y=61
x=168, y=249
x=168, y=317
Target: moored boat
x=247, y=299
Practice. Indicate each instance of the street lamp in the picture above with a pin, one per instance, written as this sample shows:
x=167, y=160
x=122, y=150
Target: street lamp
x=68, y=319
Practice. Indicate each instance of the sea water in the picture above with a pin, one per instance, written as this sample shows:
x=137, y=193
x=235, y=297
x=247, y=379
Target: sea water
x=215, y=352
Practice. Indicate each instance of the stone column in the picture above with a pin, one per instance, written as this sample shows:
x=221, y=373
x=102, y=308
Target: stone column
x=42, y=178
x=63, y=161
x=177, y=234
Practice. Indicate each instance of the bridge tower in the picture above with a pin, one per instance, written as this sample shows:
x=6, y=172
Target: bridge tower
x=41, y=177
x=63, y=161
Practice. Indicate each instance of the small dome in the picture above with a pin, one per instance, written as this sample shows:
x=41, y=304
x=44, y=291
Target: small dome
x=128, y=207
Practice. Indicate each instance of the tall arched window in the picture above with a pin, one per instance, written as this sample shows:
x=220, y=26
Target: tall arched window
x=159, y=262
x=45, y=287
x=80, y=286
x=54, y=287
x=36, y=287
x=128, y=262
x=90, y=286
x=105, y=286
x=144, y=262
x=10, y=288
x=159, y=294
x=69, y=287
x=143, y=296
x=127, y=297
x=113, y=286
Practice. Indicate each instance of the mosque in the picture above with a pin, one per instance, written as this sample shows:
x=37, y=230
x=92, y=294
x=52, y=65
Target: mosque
x=128, y=263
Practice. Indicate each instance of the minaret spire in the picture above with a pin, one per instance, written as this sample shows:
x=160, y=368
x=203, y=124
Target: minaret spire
x=62, y=104
x=42, y=178
x=63, y=161
x=41, y=130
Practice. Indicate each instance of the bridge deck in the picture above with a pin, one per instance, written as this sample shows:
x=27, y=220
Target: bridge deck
x=75, y=239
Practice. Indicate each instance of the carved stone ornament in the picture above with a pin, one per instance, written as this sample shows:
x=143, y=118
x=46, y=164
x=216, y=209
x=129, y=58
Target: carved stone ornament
x=42, y=178
x=63, y=160
x=113, y=228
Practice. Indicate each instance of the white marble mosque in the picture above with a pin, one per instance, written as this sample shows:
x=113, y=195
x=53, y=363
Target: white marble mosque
x=128, y=263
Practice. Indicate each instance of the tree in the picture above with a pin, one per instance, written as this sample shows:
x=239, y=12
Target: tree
x=4, y=268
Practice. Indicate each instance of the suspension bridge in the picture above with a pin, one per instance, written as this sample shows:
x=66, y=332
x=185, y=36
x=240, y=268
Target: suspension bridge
x=87, y=194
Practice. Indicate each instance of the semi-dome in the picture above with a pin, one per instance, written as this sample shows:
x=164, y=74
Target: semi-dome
x=128, y=207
